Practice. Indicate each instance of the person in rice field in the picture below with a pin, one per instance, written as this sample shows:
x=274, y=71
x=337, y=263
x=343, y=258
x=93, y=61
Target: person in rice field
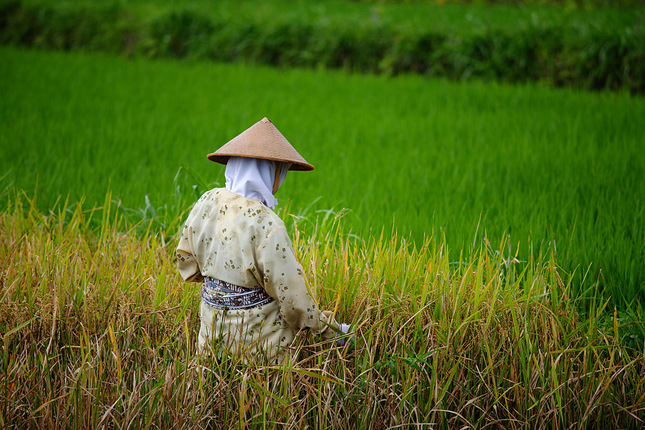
x=254, y=296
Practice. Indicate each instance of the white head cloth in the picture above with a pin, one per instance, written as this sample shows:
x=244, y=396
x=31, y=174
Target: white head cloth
x=253, y=178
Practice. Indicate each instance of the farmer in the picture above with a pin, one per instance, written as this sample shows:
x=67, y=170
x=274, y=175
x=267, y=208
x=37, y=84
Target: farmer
x=254, y=295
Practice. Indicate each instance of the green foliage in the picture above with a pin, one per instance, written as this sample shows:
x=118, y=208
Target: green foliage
x=181, y=34
x=578, y=53
x=567, y=3
x=103, y=28
x=553, y=168
x=516, y=207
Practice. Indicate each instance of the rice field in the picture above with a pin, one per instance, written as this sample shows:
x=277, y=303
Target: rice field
x=99, y=331
x=464, y=160
x=477, y=236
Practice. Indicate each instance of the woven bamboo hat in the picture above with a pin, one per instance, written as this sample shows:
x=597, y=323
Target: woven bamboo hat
x=261, y=140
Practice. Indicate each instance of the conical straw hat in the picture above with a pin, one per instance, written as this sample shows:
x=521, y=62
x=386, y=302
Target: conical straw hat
x=261, y=140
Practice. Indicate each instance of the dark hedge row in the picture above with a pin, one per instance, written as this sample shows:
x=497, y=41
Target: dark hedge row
x=572, y=3
x=586, y=58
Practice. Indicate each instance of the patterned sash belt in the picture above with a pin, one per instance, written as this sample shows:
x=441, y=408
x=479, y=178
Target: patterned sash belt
x=222, y=295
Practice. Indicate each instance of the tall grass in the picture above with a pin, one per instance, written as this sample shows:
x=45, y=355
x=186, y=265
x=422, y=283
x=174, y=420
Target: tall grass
x=99, y=331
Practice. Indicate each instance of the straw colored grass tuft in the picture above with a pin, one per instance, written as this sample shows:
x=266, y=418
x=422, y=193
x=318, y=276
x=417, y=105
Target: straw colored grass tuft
x=99, y=331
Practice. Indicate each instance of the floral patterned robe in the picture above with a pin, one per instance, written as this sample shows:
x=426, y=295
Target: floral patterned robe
x=242, y=242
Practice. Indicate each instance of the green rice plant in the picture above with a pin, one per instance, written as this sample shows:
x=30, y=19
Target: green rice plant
x=541, y=168
x=99, y=331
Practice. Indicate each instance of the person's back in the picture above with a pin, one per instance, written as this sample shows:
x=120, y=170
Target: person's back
x=254, y=295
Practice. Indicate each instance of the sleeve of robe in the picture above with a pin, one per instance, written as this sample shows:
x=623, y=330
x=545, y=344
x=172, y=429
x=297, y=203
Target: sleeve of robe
x=284, y=281
x=186, y=263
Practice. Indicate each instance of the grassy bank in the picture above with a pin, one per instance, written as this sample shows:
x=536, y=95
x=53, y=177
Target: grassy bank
x=99, y=331
x=538, y=167
x=600, y=48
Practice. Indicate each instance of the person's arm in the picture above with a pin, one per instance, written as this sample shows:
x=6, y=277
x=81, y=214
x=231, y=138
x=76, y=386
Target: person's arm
x=186, y=262
x=284, y=281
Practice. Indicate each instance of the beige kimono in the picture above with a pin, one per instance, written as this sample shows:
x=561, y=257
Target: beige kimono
x=242, y=242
